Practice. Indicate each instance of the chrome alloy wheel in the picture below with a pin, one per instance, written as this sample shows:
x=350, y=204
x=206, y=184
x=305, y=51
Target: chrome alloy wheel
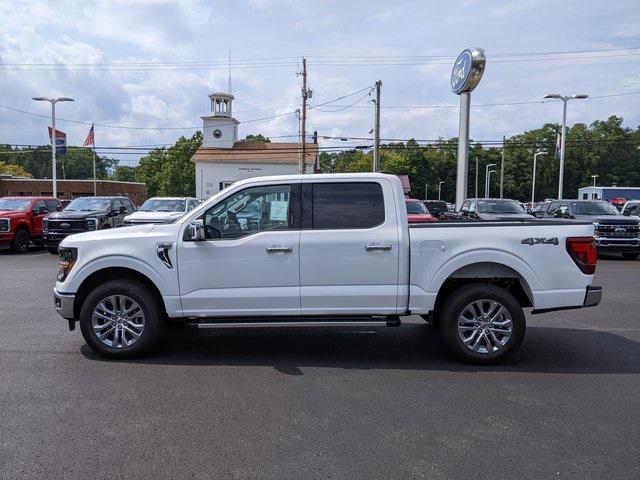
x=485, y=326
x=118, y=321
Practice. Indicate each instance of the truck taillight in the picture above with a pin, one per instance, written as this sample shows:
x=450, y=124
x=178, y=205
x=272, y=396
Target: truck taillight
x=583, y=252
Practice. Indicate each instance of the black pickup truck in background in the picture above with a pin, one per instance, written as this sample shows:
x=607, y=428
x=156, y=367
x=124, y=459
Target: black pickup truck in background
x=614, y=232
x=84, y=215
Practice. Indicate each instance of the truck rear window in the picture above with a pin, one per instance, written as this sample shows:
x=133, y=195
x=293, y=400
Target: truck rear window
x=347, y=205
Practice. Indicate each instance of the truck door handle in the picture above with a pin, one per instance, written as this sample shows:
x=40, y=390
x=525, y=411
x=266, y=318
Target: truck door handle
x=275, y=249
x=374, y=247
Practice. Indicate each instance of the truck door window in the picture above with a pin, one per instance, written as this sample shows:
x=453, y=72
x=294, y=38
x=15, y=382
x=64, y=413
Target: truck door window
x=347, y=205
x=52, y=205
x=249, y=211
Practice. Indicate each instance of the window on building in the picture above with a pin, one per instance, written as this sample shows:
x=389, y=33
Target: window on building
x=20, y=194
x=585, y=196
x=347, y=205
x=249, y=211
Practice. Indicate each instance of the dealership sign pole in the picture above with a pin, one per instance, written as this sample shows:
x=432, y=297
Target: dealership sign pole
x=465, y=76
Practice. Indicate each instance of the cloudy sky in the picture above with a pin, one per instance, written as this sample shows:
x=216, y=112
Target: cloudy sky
x=143, y=69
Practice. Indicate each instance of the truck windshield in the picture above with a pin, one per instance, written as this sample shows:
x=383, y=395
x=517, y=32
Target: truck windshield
x=89, y=204
x=163, y=205
x=14, y=204
x=500, y=206
x=594, y=208
x=416, y=208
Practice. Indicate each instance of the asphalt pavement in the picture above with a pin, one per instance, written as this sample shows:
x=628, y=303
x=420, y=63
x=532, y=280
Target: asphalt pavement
x=386, y=403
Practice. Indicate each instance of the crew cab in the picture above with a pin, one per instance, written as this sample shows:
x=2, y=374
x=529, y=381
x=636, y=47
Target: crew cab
x=21, y=220
x=85, y=214
x=322, y=250
x=161, y=210
x=614, y=232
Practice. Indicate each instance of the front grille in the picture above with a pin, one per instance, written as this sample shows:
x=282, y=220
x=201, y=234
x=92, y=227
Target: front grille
x=4, y=225
x=67, y=226
x=617, y=231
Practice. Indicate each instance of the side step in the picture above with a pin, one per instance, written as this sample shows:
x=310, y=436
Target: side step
x=303, y=322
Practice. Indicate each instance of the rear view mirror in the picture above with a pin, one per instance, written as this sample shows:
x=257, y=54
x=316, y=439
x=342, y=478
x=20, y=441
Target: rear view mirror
x=123, y=209
x=194, y=232
x=627, y=213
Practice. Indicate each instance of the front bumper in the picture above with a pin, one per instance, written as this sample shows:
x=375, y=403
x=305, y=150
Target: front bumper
x=617, y=245
x=592, y=298
x=64, y=303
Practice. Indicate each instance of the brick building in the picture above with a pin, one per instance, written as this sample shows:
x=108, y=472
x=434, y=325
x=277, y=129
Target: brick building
x=70, y=189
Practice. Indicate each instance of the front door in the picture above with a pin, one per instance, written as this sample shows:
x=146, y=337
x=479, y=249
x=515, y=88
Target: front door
x=248, y=264
x=36, y=220
x=349, y=248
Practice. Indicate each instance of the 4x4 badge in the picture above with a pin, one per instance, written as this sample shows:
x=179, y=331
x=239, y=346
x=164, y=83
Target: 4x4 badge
x=538, y=241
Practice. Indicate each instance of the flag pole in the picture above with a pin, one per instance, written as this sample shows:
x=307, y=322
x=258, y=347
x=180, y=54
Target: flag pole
x=94, y=170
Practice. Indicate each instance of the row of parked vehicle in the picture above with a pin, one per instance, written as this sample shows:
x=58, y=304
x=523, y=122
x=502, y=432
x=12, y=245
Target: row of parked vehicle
x=46, y=220
x=615, y=231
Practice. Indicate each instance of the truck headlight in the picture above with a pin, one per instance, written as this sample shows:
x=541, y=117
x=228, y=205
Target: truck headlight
x=66, y=261
x=91, y=223
x=45, y=224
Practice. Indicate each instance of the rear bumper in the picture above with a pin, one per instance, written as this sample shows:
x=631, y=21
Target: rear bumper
x=64, y=303
x=592, y=298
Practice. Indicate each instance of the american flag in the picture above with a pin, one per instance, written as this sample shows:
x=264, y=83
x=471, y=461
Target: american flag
x=90, y=140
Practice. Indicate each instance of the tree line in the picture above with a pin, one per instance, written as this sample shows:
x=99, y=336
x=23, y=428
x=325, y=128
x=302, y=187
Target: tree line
x=605, y=148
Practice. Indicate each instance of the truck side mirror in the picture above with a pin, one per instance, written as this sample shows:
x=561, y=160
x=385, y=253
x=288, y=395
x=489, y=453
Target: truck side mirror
x=194, y=232
x=123, y=209
x=627, y=213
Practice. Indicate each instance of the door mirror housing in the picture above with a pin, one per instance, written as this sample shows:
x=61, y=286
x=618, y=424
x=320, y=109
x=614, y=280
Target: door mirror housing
x=627, y=213
x=123, y=209
x=40, y=211
x=194, y=232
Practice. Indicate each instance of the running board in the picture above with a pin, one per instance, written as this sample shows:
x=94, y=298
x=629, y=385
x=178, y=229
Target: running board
x=386, y=322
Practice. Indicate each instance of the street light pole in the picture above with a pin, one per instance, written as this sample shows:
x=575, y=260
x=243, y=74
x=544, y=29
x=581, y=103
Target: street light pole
x=564, y=99
x=533, y=182
x=53, y=102
x=486, y=195
x=476, y=194
x=426, y=189
x=486, y=179
x=440, y=188
x=594, y=179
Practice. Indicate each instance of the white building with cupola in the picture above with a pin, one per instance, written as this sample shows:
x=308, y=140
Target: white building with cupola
x=222, y=160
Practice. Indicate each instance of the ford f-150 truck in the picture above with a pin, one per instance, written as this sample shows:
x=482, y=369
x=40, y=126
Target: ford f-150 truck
x=322, y=250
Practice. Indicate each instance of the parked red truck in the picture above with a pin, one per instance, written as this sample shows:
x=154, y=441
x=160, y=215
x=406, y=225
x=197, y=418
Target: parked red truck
x=21, y=220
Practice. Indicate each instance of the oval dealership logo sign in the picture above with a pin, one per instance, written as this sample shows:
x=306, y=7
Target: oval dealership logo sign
x=467, y=70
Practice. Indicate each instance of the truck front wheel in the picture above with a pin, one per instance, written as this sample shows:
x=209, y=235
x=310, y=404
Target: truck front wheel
x=121, y=319
x=20, y=242
x=482, y=323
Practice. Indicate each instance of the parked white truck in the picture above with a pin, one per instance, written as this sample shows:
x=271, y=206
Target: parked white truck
x=322, y=250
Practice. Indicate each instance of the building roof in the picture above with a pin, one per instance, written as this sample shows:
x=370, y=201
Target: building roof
x=256, y=152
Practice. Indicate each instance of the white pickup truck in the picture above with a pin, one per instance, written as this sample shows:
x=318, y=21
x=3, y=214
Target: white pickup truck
x=322, y=250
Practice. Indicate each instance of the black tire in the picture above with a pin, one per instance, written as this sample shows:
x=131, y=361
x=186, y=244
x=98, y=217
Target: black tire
x=630, y=255
x=453, y=308
x=52, y=250
x=150, y=305
x=21, y=241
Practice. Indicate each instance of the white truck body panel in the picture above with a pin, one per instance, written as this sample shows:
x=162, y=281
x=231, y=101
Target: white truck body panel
x=330, y=272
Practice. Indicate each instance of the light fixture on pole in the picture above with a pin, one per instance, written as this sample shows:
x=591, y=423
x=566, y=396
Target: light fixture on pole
x=533, y=182
x=486, y=179
x=440, y=188
x=53, y=102
x=564, y=99
x=594, y=179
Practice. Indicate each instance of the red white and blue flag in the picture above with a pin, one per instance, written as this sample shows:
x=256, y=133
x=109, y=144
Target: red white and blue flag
x=90, y=140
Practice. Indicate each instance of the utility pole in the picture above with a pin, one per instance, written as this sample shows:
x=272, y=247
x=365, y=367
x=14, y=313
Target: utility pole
x=316, y=163
x=376, y=141
x=300, y=164
x=426, y=190
x=476, y=196
x=502, y=169
x=303, y=127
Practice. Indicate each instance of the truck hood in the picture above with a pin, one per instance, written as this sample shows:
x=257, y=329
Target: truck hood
x=153, y=216
x=609, y=219
x=12, y=214
x=506, y=216
x=74, y=215
x=120, y=234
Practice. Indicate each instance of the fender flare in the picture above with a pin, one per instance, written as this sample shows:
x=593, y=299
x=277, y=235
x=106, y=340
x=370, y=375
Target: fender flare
x=484, y=255
x=118, y=261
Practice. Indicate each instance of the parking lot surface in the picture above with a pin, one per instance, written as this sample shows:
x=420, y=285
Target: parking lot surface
x=333, y=403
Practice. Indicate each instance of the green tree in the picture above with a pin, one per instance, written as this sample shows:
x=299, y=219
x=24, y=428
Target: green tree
x=14, y=170
x=255, y=138
x=124, y=173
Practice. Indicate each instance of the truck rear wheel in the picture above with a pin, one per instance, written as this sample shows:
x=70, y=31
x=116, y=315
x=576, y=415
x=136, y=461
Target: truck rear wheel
x=21, y=240
x=121, y=319
x=482, y=323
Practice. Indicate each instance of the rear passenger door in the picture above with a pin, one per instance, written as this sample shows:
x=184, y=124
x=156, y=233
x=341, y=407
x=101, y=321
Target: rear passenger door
x=349, y=248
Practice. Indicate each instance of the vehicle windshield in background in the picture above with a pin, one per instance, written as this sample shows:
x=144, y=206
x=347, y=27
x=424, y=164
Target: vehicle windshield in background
x=500, y=206
x=162, y=205
x=89, y=204
x=14, y=205
x=416, y=208
x=594, y=208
